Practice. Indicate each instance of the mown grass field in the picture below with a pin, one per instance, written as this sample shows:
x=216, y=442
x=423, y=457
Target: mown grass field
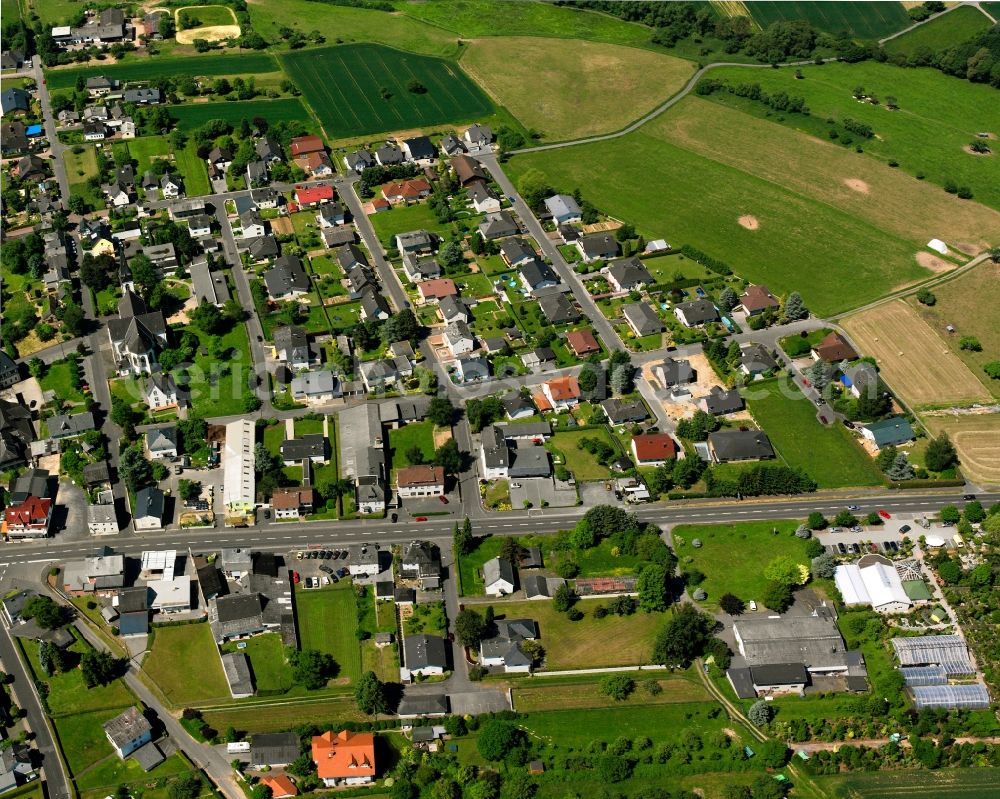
x=733, y=556
x=968, y=303
x=217, y=389
x=977, y=440
x=191, y=168
x=585, y=692
x=271, y=672
x=419, y=434
x=584, y=644
x=583, y=465
x=328, y=619
x=913, y=358
x=194, y=115
x=961, y=783
x=346, y=87
x=179, y=652
x=565, y=88
x=825, y=452
x=147, y=69
x=866, y=20
x=728, y=165
x=282, y=716
x=924, y=135
x=413, y=217
x=953, y=28
x=211, y=15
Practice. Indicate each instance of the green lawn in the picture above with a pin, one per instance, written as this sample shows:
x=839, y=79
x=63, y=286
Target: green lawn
x=288, y=109
x=212, y=66
x=57, y=379
x=826, y=452
x=867, y=20
x=82, y=739
x=924, y=135
x=583, y=644
x=80, y=167
x=113, y=771
x=951, y=783
x=179, y=652
x=733, y=556
x=419, y=434
x=305, y=427
x=402, y=220
x=428, y=618
x=193, y=169
x=218, y=389
x=583, y=465
x=211, y=15
x=328, y=620
x=271, y=672
x=953, y=28
x=358, y=89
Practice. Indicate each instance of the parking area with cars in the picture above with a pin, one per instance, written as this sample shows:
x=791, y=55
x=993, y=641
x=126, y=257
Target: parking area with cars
x=314, y=568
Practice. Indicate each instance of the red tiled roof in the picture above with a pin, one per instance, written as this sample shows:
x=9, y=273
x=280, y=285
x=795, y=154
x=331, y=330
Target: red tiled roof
x=346, y=754
x=280, y=785
x=313, y=194
x=33, y=512
x=834, y=347
x=564, y=388
x=654, y=447
x=582, y=342
x=306, y=144
x=758, y=298
x=406, y=190
x=413, y=476
x=436, y=289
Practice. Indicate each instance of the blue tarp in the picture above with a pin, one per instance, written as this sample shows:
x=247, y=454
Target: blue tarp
x=33, y=130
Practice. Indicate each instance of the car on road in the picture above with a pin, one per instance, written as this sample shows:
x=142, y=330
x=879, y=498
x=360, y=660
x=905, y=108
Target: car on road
x=752, y=604
x=421, y=519
x=969, y=497
x=857, y=529
x=806, y=383
x=444, y=499
x=824, y=420
x=853, y=507
x=884, y=513
x=295, y=577
x=820, y=401
x=836, y=529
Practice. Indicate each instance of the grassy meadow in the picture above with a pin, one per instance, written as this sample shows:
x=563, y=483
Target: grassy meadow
x=327, y=620
x=212, y=66
x=955, y=27
x=194, y=115
x=564, y=88
x=178, y=652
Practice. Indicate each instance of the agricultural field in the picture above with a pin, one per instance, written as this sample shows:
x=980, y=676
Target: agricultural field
x=733, y=556
x=957, y=26
x=148, y=69
x=583, y=644
x=328, y=620
x=913, y=358
x=826, y=453
x=288, y=109
x=952, y=783
x=363, y=88
x=924, y=136
x=977, y=440
x=761, y=214
x=563, y=88
x=967, y=303
x=864, y=20
x=177, y=653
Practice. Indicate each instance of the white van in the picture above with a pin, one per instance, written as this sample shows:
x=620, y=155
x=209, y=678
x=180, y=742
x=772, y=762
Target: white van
x=959, y=541
x=237, y=746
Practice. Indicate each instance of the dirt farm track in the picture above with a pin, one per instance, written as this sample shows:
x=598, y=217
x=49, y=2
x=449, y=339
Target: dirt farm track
x=916, y=363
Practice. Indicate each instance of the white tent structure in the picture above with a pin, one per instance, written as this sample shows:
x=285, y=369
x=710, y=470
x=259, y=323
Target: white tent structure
x=938, y=246
x=875, y=583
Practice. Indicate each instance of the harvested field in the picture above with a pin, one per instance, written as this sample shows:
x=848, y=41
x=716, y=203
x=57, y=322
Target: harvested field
x=966, y=303
x=563, y=87
x=977, y=439
x=914, y=360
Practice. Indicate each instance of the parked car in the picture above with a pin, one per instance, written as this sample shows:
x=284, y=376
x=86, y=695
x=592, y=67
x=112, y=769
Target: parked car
x=848, y=424
x=842, y=548
x=905, y=529
x=394, y=518
x=267, y=514
x=855, y=549
x=884, y=513
x=857, y=529
x=295, y=577
x=872, y=546
x=421, y=519
x=342, y=572
x=299, y=555
x=444, y=499
x=336, y=554
x=326, y=569
x=752, y=604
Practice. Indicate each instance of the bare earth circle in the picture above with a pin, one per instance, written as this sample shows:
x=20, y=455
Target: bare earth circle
x=212, y=33
x=970, y=151
x=749, y=222
x=856, y=185
x=932, y=262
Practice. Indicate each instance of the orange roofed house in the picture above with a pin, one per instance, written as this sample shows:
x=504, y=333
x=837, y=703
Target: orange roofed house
x=306, y=144
x=562, y=393
x=281, y=786
x=344, y=758
x=407, y=191
x=582, y=342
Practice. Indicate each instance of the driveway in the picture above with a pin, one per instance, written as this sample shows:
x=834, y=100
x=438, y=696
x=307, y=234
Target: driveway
x=541, y=492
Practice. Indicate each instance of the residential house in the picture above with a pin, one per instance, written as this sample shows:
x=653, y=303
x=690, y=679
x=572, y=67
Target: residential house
x=423, y=655
x=504, y=648
x=359, y=161
x=483, y=199
x=389, y=154
x=453, y=309
x=149, y=95
x=478, y=136
x=219, y=159
x=15, y=101
x=316, y=165
x=756, y=360
x=653, y=449
x=597, y=247
x=563, y=208
x=468, y=171
x=313, y=447
x=303, y=145
x=14, y=59
x=861, y=378
x=458, y=338
x=287, y=279
x=451, y=145
x=281, y=785
x=337, y=236
x=136, y=336
x=97, y=475
x=102, y=520
x=621, y=411
x=539, y=358
x=415, y=241
x=471, y=368
x=13, y=138
x=406, y=191
x=269, y=150
x=262, y=249
x=696, y=313
x=420, y=150
x=332, y=215
x=291, y=347
x=642, y=319
x=209, y=286
x=719, y=402
x=891, y=432
x=558, y=309
x=385, y=372
x=833, y=348
x=374, y=306
x=29, y=168
x=235, y=616
x=418, y=269
x=344, y=758
x=420, y=481
x=161, y=443
x=728, y=446
x=128, y=731
x=29, y=518
x=497, y=226
x=757, y=299
x=9, y=372
x=562, y=393
x=351, y=257
x=498, y=577
x=257, y=173
x=320, y=385
x=436, y=290
x=200, y=226
x=516, y=252
x=582, y=342
x=536, y=275
x=62, y=426
x=627, y=274
x=672, y=373
x=421, y=561
x=292, y=503
x=149, y=509
x=313, y=196
x=16, y=433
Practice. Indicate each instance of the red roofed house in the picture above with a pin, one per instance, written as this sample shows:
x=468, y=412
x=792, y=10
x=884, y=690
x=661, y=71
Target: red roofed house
x=408, y=191
x=582, y=342
x=756, y=300
x=562, y=393
x=306, y=144
x=420, y=481
x=281, y=786
x=347, y=758
x=653, y=449
x=313, y=195
x=833, y=349
x=434, y=290
x=30, y=519
x=316, y=164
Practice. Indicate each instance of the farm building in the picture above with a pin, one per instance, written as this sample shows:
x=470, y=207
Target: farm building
x=874, y=581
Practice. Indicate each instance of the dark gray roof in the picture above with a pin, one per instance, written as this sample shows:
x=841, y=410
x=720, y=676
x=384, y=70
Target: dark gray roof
x=516, y=249
x=420, y=147
x=309, y=446
x=813, y=641
x=740, y=445
x=423, y=705
x=149, y=502
x=422, y=651
x=599, y=245
x=498, y=225
x=287, y=275
x=126, y=727
x=133, y=600
x=498, y=569
x=720, y=401
x=742, y=682
x=557, y=309
x=537, y=273
x=495, y=451
x=529, y=461
x=136, y=623
x=630, y=273
x=619, y=410
x=676, y=372
x=779, y=674
x=643, y=318
x=274, y=749
x=697, y=312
